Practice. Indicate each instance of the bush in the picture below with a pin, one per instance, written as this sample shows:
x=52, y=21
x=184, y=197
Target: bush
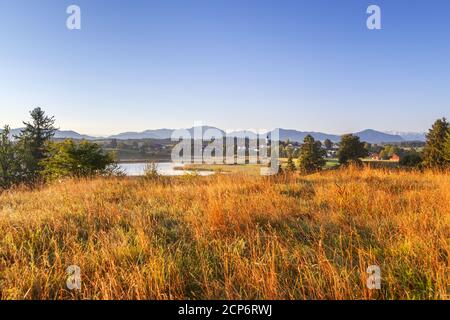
x=412, y=159
x=151, y=170
x=71, y=159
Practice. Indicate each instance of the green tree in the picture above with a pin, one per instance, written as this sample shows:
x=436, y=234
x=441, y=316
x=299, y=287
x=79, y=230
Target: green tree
x=434, y=151
x=10, y=169
x=34, y=140
x=389, y=151
x=447, y=148
x=328, y=144
x=351, y=149
x=290, y=164
x=411, y=159
x=71, y=159
x=311, y=155
x=384, y=154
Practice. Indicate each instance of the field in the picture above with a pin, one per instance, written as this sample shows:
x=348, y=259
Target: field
x=230, y=236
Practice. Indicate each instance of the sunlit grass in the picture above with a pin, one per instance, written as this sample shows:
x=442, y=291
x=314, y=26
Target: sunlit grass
x=230, y=236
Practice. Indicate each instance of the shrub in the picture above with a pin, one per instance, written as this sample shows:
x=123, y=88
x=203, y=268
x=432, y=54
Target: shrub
x=412, y=159
x=151, y=170
x=72, y=159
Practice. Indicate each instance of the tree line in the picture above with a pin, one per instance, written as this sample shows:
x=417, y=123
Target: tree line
x=32, y=157
x=436, y=152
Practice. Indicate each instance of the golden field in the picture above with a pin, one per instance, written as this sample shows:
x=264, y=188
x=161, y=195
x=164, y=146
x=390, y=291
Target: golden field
x=230, y=236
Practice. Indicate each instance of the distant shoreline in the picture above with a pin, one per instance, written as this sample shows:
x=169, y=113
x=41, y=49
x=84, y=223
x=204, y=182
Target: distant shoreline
x=144, y=161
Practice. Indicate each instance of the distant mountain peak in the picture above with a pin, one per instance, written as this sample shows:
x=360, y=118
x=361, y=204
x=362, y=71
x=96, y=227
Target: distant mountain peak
x=374, y=136
x=409, y=136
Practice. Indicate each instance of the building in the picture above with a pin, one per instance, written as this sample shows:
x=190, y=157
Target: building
x=375, y=156
x=395, y=157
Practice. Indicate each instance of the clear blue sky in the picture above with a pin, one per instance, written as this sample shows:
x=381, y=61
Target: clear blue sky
x=307, y=65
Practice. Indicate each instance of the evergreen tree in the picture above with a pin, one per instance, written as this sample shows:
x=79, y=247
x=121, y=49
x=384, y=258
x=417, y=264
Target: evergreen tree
x=447, y=149
x=351, y=149
x=290, y=164
x=34, y=139
x=434, y=151
x=311, y=155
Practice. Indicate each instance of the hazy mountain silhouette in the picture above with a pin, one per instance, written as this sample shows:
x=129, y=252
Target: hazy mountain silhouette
x=59, y=134
x=368, y=135
x=69, y=134
x=147, y=134
x=299, y=136
x=409, y=136
x=373, y=136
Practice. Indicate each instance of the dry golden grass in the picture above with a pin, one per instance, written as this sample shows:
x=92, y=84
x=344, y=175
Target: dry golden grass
x=230, y=236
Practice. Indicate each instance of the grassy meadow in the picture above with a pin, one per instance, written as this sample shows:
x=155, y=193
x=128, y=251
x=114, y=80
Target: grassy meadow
x=231, y=236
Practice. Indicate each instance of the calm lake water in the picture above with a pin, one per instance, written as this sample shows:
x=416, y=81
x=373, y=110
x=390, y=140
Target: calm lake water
x=164, y=168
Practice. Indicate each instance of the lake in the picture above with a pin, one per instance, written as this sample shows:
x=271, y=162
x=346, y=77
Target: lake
x=164, y=169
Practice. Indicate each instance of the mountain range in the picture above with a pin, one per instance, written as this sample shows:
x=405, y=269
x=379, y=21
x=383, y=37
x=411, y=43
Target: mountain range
x=59, y=134
x=368, y=135
x=409, y=136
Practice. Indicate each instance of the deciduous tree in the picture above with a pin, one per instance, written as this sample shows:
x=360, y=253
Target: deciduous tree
x=76, y=159
x=351, y=149
x=311, y=157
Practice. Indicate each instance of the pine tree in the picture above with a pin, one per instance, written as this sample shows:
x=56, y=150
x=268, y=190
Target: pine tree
x=434, y=151
x=290, y=164
x=447, y=149
x=311, y=155
x=34, y=139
